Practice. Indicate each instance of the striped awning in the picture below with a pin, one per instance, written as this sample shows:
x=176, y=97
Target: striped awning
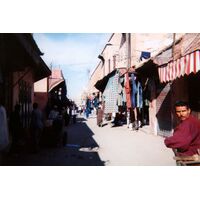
x=184, y=65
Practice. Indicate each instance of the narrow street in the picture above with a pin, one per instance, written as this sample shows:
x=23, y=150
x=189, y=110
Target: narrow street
x=121, y=147
x=90, y=145
x=99, y=100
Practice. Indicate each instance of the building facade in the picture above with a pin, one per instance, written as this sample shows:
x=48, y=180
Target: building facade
x=125, y=53
x=51, y=90
x=20, y=66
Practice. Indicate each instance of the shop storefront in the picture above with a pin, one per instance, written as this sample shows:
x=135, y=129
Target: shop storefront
x=184, y=75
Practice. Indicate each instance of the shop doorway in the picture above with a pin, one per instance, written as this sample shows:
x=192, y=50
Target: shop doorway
x=194, y=93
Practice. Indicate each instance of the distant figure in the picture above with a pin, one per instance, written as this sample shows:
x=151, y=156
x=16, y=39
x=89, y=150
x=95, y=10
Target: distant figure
x=57, y=125
x=47, y=109
x=79, y=110
x=95, y=104
x=66, y=118
x=54, y=113
x=87, y=109
x=186, y=137
x=15, y=128
x=100, y=114
x=74, y=114
x=36, y=126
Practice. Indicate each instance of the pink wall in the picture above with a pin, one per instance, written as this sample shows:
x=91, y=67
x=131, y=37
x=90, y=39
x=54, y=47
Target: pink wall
x=27, y=77
x=41, y=98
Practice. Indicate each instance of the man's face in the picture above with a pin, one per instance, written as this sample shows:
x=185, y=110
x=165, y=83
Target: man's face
x=182, y=112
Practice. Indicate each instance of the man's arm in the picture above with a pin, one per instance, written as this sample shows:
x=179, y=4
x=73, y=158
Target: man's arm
x=181, y=138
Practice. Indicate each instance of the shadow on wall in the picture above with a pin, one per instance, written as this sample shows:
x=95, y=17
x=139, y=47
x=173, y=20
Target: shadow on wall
x=164, y=116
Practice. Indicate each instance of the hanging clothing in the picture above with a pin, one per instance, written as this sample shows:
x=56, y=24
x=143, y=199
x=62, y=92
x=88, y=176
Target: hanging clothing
x=111, y=93
x=145, y=55
x=120, y=95
x=134, y=91
x=139, y=95
x=124, y=95
x=128, y=91
x=95, y=102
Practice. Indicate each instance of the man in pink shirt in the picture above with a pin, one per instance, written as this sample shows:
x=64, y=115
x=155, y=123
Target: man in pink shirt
x=186, y=137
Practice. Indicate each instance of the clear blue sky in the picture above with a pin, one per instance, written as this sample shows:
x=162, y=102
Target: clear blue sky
x=74, y=53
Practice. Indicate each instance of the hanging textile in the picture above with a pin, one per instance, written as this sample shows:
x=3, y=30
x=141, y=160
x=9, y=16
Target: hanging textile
x=120, y=94
x=128, y=91
x=124, y=95
x=184, y=65
x=145, y=55
x=110, y=94
x=139, y=95
x=134, y=91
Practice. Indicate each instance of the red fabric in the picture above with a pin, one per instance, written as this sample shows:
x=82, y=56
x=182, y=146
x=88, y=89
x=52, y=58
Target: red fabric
x=186, y=137
x=128, y=91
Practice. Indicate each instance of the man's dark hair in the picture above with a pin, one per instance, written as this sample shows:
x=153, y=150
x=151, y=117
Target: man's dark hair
x=181, y=103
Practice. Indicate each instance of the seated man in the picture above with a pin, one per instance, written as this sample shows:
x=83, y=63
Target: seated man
x=185, y=141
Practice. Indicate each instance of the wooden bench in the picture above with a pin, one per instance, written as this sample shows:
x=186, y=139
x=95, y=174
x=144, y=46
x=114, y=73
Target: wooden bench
x=188, y=163
x=188, y=160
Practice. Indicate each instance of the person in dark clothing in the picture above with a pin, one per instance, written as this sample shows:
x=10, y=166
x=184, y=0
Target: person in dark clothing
x=66, y=118
x=15, y=126
x=100, y=113
x=36, y=127
x=186, y=137
x=74, y=114
x=88, y=108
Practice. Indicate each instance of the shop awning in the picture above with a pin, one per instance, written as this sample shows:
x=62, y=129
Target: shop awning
x=56, y=83
x=55, y=79
x=187, y=64
x=101, y=84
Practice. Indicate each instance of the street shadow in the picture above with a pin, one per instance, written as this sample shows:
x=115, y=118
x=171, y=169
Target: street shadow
x=80, y=149
x=81, y=119
x=164, y=117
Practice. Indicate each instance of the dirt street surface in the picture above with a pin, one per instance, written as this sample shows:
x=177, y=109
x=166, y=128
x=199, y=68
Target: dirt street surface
x=90, y=145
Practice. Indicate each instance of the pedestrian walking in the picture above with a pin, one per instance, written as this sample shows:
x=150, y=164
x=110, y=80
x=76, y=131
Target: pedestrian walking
x=74, y=114
x=66, y=118
x=79, y=110
x=88, y=108
x=57, y=125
